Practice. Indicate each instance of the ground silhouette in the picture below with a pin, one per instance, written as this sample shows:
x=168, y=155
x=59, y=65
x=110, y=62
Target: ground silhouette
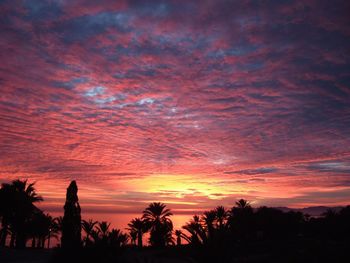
x=240, y=233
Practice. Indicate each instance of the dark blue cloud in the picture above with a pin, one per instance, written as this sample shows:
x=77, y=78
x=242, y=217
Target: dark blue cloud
x=263, y=170
x=41, y=10
x=84, y=27
x=69, y=85
x=335, y=166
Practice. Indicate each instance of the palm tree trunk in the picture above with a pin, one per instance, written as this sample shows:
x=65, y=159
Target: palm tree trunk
x=210, y=232
x=42, y=242
x=3, y=235
x=139, y=239
x=33, y=242
x=87, y=239
x=48, y=240
x=38, y=242
x=20, y=240
x=178, y=241
x=12, y=240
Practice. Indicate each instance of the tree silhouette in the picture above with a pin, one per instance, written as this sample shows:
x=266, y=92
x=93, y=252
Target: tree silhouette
x=209, y=218
x=133, y=236
x=156, y=217
x=59, y=223
x=178, y=234
x=221, y=216
x=71, y=224
x=218, y=235
x=42, y=227
x=241, y=219
x=103, y=232
x=17, y=207
x=7, y=206
x=54, y=229
x=88, y=227
x=117, y=238
x=138, y=226
x=197, y=232
x=102, y=236
x=243, y=204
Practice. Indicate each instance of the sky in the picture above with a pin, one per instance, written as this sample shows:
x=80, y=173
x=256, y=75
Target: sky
x=190, y=103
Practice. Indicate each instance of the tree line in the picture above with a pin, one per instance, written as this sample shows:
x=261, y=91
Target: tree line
x=23, y=221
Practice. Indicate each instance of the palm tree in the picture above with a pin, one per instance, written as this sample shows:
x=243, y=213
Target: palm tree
x=59, y=222
x=47, y=229
x=7, y=203
x=88, y=227
x=117, y=238
x=20, y=198
x=242, y=211
x=195, y=228
x=95, y=236
x=178, y=234
x=241, y=219
x=221, y=216
x=103, y=231
x=209, y=218
x=243, y=204
x=156, y=217
x=54, y=229
x=138, y=226
x=133, y=236
x=38, y=227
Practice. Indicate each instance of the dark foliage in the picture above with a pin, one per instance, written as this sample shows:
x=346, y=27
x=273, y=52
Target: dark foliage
x=238, y=234
x=267, y=234
x=156, y=217
x=17, y=211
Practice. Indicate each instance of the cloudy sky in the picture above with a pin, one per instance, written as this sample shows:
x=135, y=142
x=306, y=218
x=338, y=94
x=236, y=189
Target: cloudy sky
x=192, y=103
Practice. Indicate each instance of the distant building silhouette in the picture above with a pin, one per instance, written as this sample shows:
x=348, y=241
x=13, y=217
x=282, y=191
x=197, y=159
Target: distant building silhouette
x=71, y=224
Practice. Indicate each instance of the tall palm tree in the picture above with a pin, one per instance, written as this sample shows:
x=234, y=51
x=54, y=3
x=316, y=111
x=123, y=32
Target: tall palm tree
x=88, y=227
x=27, y=196
x=20, y=197
x=241, y=219
x=43, y=227
x=27, y=190
x=242, y=211
x=221, y=216
x=7, y=202
x=156, y=217
x=209, y=218
x=139, y=226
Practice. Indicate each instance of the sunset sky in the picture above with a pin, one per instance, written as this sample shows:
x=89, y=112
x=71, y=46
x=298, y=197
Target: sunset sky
x=191, y=103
